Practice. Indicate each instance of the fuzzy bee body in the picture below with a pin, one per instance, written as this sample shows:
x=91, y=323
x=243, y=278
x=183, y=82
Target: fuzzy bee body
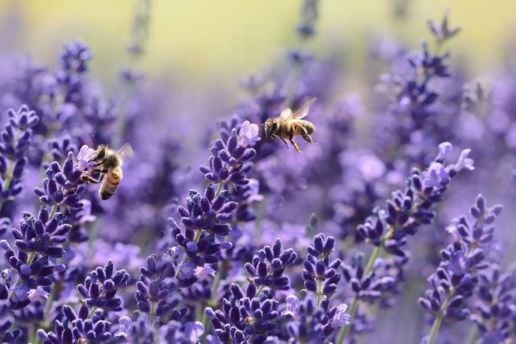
x=112, y=178
x=289, y=124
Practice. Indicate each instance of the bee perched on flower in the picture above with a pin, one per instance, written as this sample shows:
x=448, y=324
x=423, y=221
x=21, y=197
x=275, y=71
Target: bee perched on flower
x=290, y=123
x=105, y=162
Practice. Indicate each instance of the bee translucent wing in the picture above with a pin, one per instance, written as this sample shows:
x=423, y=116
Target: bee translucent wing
x=286, y=113
x=126, y=151
x=303, y=109
x=86, y=153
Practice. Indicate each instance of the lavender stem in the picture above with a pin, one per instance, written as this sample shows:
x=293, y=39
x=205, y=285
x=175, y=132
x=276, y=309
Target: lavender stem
x=354, y=304
x=437, y=322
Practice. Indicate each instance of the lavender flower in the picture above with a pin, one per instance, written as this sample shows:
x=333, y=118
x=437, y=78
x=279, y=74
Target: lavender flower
x=246, y=317
x=100, y=288
x=38, y=241
x=317, y=322
x=155, y=288
x=389, y=229
x=457, y=275
x=89, y=323
x=74, y=59
x=493, y=311
x=249, y=134
x=268, y=266
x=442, y=32
x=320, y=274
x=230, y=161
x=409, y=209
x=309, y=16
x=16, y=139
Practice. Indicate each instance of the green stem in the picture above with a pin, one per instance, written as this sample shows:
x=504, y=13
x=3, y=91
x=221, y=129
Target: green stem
x=344, y=332
x=374, y=255
x=259, y=212
x=92, y=312
x=33, y=337
x=197, y=236
x=31, y=257
x=53, y=211
x=215, y=286
x=432, y=337
x=151, y=315
x=48, y=306
x=319, y=293
x=259, y=291
x=7, y=181
x=219, y=189
x=204, y=318
x=473, y=334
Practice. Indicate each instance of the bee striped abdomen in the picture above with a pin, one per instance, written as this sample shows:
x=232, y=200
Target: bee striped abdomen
x=110, y=183
x=107, y=191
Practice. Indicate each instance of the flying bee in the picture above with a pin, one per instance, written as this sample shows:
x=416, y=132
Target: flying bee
x=108, y=167
x=290, y=123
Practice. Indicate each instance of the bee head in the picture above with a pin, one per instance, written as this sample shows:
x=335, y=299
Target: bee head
x=269, y=127
x=101, y=152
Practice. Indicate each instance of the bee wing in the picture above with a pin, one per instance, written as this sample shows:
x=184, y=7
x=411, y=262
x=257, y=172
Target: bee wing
x=302, y=111
x=86, y=153
x=126, y=151
x=286, y=113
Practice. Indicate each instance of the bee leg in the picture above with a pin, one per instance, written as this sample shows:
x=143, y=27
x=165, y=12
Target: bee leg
x=284, y=141
x=306, y=136
x=294, y=144
x=90, y=179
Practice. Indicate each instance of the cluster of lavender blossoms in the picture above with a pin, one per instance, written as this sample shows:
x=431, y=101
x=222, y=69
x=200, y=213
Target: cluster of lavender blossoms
x=239, y=239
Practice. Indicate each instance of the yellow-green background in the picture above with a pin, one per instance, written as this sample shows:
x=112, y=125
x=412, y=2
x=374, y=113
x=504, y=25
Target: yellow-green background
x=225, y=39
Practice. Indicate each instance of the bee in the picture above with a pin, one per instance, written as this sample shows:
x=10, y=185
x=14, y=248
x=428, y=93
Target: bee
x=290, y=123
x=108, y=166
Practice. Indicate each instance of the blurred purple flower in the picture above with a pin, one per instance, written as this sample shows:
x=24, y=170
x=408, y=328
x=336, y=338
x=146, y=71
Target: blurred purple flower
x=194, y=331
x=84, y=159
x=341, y=318
x=249, y=134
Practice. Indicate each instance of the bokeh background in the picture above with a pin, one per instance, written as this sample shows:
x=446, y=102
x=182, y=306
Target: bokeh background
x=224, y=40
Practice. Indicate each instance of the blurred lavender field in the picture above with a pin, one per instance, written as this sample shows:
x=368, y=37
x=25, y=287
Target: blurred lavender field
x=392, y=224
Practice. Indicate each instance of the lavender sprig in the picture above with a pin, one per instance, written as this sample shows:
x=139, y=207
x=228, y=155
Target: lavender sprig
x=317, y=322
x=405, y=212
x=494, y=307
x=15, y=141
x=40, y=241
x=245, y=316
x=89, y=323
x=201, y=234
x=64, y=191
x=309, y=16
x=74, y=64
x=206, y=218
x=462, y=261
x=320, y=274
x=442, y=31
x=155, y=290
x=268, y=266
